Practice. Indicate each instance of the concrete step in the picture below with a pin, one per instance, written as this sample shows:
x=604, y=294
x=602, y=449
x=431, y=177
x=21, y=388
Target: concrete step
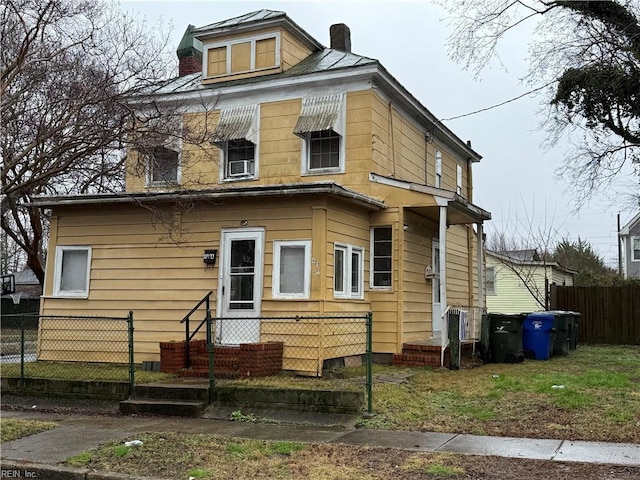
x=203, y=372
x=173, y=408
x=171, y=392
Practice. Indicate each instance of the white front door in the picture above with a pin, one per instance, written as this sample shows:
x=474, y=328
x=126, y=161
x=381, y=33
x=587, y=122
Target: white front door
x=240, y=291
x=437, y=290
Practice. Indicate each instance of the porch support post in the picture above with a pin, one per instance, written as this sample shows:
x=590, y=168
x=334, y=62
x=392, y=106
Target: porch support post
x=480, y=262
x=442, y=238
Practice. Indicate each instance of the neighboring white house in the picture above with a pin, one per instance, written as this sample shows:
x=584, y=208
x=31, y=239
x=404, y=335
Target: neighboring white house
x=518, y=281
x=630, y=238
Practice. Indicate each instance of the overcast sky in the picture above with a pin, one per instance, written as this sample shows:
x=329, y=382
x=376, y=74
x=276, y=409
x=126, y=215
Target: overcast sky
x=516, y=179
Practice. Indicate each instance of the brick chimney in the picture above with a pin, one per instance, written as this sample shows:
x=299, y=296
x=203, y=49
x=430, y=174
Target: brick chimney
x=189, y=53
x=340, y=37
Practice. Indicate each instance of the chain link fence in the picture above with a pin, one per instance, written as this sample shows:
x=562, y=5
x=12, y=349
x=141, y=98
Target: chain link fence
x=67, y=347
x=244, y=347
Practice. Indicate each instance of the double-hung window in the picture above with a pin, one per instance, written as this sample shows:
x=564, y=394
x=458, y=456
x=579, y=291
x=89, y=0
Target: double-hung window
x=459, y=179
x=164, y=165
x=72, y=267
x=438, y=178
x=321, y=128
x=381, y=259
x=348, y=271
x=291, y=269
x=635, y=249
x=490, y=281
x=237, y=137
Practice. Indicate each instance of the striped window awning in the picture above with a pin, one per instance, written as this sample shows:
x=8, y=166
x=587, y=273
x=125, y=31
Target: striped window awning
x=237, y=123
x=319, y=114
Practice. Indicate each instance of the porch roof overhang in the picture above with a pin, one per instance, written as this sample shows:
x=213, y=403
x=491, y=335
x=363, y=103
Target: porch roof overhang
x=460, y=211
x=331, y=189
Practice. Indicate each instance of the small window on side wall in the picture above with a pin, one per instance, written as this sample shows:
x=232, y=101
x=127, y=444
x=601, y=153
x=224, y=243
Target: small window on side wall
x=291, y=269
x=163, y=165
x=381, y=258
x=490, y=281
x=438, y=177
x=72, y=268
x=635, y=249
x=348, y=270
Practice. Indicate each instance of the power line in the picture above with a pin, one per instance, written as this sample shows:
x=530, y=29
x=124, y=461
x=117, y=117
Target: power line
x=498, y=104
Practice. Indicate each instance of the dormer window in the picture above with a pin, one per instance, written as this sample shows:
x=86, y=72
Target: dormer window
x=321, y=127
x=242, y=55
x=237, y=137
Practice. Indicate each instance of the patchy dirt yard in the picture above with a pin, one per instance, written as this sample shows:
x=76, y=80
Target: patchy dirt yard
x=173, y=455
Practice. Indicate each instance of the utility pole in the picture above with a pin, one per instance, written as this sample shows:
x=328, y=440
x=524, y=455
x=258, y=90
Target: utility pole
x=619, y=248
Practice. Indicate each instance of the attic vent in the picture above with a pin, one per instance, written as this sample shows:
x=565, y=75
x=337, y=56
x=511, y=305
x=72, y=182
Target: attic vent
x=340, y=37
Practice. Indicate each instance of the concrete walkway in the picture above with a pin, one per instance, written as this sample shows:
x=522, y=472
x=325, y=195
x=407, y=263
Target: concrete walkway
x=80, y=432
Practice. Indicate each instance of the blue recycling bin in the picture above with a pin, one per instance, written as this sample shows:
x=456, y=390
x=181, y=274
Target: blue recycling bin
x=537, y=335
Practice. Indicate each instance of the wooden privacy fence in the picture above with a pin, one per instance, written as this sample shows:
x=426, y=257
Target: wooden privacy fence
x=610, y=315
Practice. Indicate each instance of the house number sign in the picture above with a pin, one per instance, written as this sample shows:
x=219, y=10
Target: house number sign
x=210, y=257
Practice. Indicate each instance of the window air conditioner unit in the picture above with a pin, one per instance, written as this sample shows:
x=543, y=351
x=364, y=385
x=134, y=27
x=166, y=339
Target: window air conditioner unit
x=240, y=168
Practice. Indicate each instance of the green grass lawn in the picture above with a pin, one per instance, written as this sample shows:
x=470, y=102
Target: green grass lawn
x=81, y=371
x=591, y=394
x=12, y=429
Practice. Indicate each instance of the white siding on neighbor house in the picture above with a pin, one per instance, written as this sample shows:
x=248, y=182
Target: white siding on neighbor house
x=512, y=296
x=562, y=278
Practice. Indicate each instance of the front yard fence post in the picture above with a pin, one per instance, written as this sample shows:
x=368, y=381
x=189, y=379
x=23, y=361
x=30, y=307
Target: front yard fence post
x=132, y=368
x=210, y=337
x=21, y=351
x=369, y=356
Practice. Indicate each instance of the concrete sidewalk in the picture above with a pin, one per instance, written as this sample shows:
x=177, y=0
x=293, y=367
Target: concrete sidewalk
x=77, y=433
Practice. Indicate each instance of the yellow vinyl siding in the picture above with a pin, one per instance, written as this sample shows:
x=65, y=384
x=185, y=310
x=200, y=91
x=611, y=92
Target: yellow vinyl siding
x=137, y=266
x=292, y=51
x=457, y=266
x=387, y=325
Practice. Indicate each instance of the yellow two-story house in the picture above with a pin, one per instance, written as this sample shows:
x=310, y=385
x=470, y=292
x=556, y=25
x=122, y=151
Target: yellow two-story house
x=323, y=187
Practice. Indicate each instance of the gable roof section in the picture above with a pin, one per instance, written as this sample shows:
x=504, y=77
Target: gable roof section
x=627, y=228
x=518, y=259
x=254, y=21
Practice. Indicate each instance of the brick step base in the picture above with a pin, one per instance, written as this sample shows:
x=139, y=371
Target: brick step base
x=416, y=360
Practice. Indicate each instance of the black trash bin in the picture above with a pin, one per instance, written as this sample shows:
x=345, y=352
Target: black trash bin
x=564, y=326
x=505, y=338
x=574, y=334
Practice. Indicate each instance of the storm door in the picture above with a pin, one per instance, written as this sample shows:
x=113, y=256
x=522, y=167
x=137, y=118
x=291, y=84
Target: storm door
x=240, y=293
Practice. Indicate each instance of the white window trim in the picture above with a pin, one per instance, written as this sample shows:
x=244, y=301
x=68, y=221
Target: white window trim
x=227, y=44
x=372, y=263
x=60, y=249
x=494, y=276
x=632, y=256
x=277, y=245
x=459, y=179
x=346, y=273
x=306, y=146
x=163, y=183
x=255, y=139
x=438, y=172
